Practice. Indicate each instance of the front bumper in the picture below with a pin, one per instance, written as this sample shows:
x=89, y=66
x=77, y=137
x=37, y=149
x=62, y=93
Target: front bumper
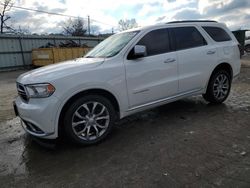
x=34, y=130
x=38, y=116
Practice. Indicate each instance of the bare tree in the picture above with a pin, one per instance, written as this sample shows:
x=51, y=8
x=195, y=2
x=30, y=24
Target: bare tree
x=6, y=6
x=74, y=27
x=22, y=31
x=127, y=24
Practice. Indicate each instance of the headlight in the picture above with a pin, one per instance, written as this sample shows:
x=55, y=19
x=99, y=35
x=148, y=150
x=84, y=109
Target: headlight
x=40, y=90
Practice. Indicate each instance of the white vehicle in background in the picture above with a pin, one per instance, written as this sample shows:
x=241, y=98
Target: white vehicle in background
x=129, y=72
x=247, y=45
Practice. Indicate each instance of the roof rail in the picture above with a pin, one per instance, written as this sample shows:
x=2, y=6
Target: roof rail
x=190, y=21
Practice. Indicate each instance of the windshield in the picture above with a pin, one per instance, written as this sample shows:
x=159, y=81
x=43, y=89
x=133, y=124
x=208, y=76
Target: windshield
x=112, y=45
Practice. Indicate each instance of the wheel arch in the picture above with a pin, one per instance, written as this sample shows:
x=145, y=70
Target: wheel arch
x=97, y=91
x=221, y=66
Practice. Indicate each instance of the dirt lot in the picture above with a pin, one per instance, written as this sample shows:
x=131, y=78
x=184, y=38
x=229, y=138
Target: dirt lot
x=188, y=143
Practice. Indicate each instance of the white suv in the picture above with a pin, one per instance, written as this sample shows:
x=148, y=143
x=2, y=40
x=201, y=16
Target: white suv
x=129, y=72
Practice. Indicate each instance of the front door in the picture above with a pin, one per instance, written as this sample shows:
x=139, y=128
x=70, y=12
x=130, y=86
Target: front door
x=154, y=76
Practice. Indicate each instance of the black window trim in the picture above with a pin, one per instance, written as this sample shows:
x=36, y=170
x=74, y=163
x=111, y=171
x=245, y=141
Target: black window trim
x=171, y=38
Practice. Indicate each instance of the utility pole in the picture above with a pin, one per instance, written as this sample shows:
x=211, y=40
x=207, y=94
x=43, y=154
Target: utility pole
x=89, y=25
x=112, y=30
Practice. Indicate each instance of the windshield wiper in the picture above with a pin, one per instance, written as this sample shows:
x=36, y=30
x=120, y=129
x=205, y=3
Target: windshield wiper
x=89, y=56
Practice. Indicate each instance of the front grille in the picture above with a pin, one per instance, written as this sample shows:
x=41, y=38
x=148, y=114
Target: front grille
x=22, y=92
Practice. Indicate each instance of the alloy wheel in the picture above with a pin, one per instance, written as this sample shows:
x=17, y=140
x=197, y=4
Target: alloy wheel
x=221, y=86
x=90, y=120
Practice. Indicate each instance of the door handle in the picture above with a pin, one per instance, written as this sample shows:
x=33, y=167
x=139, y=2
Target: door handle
x=169, y=60
x=210, y=52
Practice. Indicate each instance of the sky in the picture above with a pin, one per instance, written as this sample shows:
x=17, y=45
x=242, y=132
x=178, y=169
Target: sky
x=105, y=14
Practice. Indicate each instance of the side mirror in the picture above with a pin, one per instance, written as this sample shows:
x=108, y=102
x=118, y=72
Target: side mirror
x=140, y=51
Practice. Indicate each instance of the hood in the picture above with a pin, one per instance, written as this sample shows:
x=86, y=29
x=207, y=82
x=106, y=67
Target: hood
x=56, y=71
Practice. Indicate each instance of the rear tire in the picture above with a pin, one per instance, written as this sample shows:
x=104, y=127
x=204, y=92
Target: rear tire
x=218, y=87
x=89, y=119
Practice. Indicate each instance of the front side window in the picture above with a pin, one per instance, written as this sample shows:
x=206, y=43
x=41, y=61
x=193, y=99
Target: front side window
x=156, y=42
x=216, y=33
x=112, y=45
x=187, y=37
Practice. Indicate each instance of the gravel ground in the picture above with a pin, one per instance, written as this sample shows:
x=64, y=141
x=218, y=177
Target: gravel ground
x=188, y=143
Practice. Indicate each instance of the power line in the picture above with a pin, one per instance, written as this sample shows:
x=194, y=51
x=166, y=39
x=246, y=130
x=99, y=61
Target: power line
x=58, y=14
x=94, y=20
x=45, y=12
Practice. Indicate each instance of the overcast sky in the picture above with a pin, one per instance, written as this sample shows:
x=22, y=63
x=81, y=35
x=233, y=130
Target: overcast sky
x=235, y=13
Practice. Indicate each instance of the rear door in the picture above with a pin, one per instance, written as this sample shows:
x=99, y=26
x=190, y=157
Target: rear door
x=195, y=58
x=155, y=76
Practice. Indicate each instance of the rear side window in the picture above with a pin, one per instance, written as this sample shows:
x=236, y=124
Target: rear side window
x=218, y=34
x=156, y=42
x=187, y=37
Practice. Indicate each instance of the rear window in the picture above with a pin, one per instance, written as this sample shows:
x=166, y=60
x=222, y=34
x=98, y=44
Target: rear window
x=187, y=37
x=218, y=34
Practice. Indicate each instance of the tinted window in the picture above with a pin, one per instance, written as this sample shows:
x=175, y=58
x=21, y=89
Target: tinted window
x=187, y=37
x=156, y=42
x=218, y=34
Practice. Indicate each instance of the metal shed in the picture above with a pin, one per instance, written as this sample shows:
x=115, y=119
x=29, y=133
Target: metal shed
x=15, y=51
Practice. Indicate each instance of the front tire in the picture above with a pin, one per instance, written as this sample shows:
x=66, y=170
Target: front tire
x=218, y=87
x=89, y=119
